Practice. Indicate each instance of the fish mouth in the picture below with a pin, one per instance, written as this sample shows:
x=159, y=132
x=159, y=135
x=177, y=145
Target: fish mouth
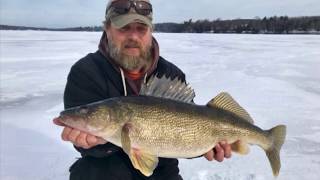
x=78, y=122
x=73, y=121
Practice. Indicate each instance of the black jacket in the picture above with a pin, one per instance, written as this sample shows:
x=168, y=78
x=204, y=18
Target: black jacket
x=94, y=78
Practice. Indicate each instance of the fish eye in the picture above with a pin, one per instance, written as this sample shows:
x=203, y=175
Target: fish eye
x=84, y=110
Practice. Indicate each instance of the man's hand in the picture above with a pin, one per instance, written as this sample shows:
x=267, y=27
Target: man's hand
x=219, y=152
x=78, y=138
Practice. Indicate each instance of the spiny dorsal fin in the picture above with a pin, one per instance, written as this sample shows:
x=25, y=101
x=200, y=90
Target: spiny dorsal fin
x=166, y=88
x=226, y=102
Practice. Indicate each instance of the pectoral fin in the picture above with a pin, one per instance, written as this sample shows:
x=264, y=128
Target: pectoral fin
x=142, y=160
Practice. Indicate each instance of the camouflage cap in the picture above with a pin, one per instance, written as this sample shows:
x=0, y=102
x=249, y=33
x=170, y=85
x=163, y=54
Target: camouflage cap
x=121, y=20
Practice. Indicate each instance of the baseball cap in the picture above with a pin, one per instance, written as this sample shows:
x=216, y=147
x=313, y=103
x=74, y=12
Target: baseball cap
x=123, y=19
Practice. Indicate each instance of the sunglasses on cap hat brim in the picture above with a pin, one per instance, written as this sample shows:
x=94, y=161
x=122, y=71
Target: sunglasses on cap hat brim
x=124, y=6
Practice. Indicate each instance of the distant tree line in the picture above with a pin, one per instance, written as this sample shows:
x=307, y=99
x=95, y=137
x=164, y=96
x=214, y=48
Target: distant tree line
x=271, y=25
x=87, y=28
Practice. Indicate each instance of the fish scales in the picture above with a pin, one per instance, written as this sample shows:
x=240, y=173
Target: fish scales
x=170, y=128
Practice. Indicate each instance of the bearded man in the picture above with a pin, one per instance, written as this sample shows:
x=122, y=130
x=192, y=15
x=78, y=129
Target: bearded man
x=128, y=55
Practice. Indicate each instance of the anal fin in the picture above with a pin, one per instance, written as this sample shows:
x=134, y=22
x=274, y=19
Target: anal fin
x=240, y=147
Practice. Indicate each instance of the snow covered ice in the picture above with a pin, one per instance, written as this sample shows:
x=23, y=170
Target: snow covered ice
x=275, y=78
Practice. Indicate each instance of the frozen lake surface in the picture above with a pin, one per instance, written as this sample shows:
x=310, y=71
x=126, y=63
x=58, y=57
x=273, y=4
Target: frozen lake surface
x=275, y=77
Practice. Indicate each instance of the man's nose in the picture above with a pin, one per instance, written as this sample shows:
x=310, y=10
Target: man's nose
x=133, y=33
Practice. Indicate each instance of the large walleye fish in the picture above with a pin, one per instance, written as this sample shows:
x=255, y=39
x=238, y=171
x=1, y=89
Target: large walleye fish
x=164, y=122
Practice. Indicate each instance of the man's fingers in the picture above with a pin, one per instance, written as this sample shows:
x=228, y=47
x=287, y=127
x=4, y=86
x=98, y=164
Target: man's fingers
x=78, y=138
x=81, y=141
x=219, y=154
x=73, y=136
x=92, y=140
x=209, y=155
x=227, y=149
x=65, y=133
x=101, y=140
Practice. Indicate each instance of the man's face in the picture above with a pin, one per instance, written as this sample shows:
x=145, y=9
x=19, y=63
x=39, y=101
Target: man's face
x=130, y=46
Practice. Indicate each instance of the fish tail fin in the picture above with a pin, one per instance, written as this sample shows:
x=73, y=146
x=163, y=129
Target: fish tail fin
x=277, y=136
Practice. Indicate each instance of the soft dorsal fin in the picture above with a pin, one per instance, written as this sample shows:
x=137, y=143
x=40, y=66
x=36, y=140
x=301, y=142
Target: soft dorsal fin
x=166, y=88
x=226, y=102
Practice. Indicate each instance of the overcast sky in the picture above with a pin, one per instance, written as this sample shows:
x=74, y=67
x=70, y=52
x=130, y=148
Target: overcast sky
x=69, y=13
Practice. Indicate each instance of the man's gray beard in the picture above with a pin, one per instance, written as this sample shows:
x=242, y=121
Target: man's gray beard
x=130, y=63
